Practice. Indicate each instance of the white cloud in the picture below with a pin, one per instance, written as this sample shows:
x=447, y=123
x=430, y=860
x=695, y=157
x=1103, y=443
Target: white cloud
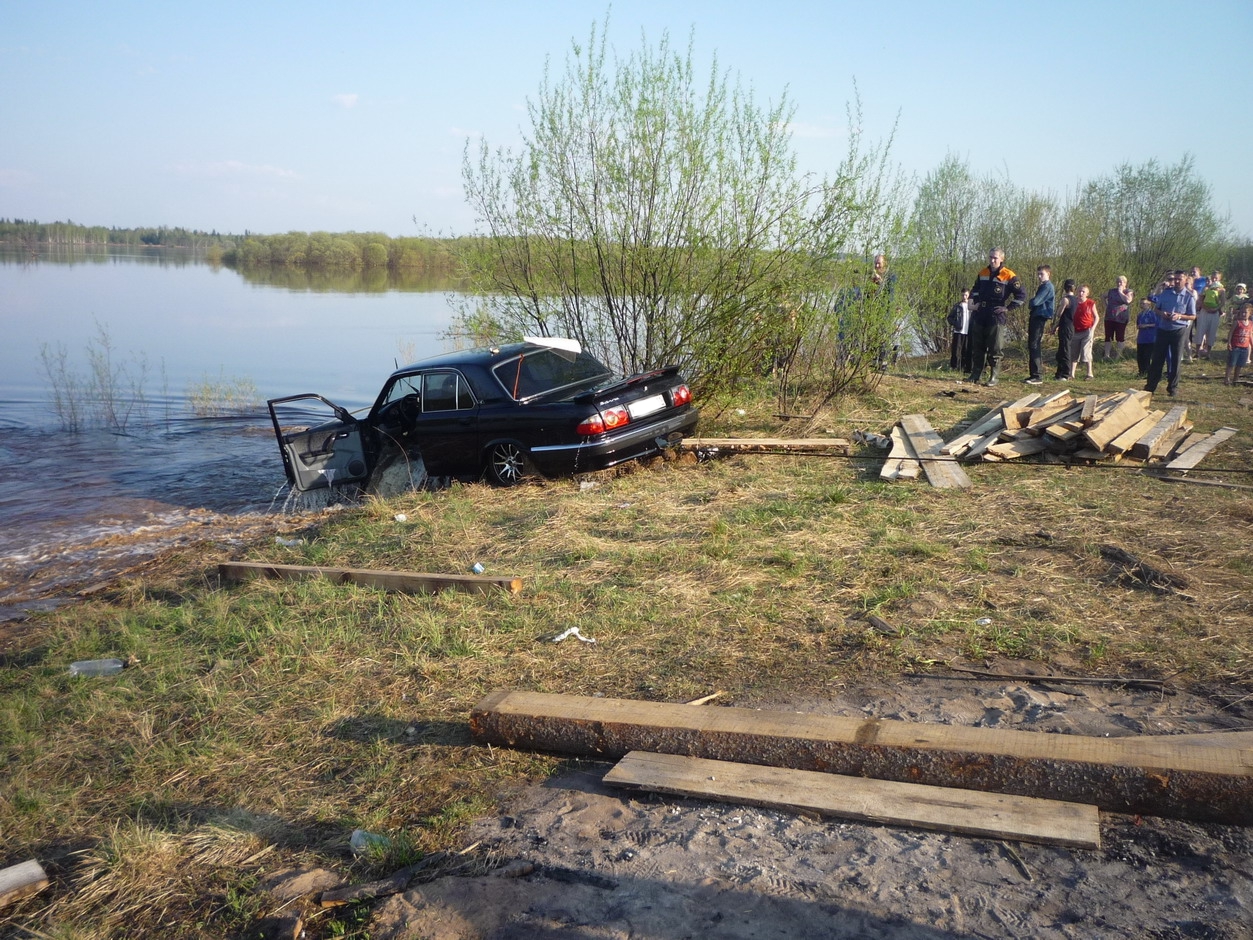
x=346, y=100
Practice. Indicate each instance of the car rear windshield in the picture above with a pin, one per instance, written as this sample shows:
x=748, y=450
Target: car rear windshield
x=543, y=370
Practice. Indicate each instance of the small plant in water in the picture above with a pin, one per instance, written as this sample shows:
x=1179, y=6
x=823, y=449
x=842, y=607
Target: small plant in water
x=233, y=395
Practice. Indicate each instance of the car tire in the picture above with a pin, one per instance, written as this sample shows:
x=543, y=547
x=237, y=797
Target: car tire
x=507, y=463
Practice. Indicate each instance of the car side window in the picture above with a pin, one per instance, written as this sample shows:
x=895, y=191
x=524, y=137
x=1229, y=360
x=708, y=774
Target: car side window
x=445, y=391
x=405, y=385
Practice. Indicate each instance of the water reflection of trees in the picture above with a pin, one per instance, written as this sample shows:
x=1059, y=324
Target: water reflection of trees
x=345, y=280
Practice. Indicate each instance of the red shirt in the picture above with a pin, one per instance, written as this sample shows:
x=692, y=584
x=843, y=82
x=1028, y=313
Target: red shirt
x=1085, y=315
x=1241, y=334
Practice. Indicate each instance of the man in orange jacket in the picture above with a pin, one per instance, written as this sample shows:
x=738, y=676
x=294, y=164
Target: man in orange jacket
x=997, y=291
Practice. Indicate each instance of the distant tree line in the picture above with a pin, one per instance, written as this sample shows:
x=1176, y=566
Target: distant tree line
x=30, y=234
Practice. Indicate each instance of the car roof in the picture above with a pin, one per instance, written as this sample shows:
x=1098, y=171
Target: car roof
x=481, y=356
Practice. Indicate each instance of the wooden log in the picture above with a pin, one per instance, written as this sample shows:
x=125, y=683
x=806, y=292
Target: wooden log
x=1138, y=774
x=21, y=881
x=941, y=471
x=967, y=812
x=1152, y=441
x=1124, y=441
x=1194, y=455
x=405, y=582
x=1124, y=415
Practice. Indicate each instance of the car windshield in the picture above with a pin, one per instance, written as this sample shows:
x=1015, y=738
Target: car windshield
x=540, y=371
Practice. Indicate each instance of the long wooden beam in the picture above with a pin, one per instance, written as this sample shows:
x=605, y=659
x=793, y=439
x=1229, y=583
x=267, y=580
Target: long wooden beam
x=405, y=582
x=1142, y=774
x=967, y=812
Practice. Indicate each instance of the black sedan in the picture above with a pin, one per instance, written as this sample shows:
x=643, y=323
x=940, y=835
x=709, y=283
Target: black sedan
x=543, y=405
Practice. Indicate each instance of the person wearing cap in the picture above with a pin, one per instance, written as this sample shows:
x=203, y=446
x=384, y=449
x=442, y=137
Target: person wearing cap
x=1237, y=299
x=1176, y=312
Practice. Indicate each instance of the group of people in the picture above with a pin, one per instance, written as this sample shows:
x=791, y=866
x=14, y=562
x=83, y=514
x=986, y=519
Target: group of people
x=1178, y=320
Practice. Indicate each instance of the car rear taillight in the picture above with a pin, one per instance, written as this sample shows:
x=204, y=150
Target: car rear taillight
x=680, y=395
x=589, y=426
x=607, y=420
x=615, y=417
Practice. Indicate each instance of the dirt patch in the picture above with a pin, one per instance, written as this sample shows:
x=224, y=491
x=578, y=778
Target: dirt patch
x=573, y=858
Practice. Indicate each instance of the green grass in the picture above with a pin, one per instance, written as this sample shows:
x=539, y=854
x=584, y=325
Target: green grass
x=264, y=721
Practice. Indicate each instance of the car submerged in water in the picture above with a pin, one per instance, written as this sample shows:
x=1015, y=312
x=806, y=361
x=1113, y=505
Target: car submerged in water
x=542, y=405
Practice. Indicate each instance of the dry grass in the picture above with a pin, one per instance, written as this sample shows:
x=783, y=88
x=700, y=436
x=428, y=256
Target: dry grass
x=267, y=720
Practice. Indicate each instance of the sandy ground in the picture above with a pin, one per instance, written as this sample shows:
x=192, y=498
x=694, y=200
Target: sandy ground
x=573, y=858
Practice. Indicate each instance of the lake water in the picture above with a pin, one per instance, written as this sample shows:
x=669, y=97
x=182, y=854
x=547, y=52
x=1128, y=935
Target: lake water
x=79, y=505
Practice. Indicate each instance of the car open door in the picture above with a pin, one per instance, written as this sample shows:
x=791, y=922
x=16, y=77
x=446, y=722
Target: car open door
x=328, y=453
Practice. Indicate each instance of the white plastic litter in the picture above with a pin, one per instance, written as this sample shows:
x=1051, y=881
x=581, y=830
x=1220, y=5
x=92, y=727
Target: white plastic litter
x=572, y=632
x=288, y=543
x=400, y=517
x=983, y=621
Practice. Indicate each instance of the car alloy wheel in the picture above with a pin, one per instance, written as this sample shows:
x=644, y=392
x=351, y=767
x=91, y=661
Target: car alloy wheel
x=506, y=463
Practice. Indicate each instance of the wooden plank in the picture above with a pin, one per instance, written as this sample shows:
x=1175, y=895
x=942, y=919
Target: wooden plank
x=967, y=812
x=979, y=448
x=895, y=466
x=1194, y=455
x=1191, y=439
x=1015, y=414
x=21, y=881
x=1127, y=413
x=1126, y=440
x=405, y=582
x=992, y=420
x=1089, y=408
x=1152, y=441
x=1137, y=774
x=1049, y=413
x=749, y=445
x=941, y=471
x=1172, y=441
x=1013, y=449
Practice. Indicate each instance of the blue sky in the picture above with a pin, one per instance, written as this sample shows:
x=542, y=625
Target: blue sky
x=273, y=116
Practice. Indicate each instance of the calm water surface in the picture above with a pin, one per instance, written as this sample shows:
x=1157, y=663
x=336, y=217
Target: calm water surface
x=71, y=501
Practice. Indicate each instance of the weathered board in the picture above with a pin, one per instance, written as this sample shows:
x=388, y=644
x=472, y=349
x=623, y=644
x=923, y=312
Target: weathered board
x=21, y=881
x=942, y=471
x=406, y=582
x=992, y=420
x=967, y=812
x=1140, y=774
x=751, y=445
x=1129, y=411
x=1153, y=442
x=1195, y=454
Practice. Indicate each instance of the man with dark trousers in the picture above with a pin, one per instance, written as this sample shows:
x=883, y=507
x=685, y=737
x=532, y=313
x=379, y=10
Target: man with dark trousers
x=997, y=291
x=1176, y=312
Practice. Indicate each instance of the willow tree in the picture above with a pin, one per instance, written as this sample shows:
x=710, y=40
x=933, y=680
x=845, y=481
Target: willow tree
x=655, y=215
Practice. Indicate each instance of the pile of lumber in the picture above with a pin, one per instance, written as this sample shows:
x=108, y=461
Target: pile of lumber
x=1026, y=785
x=1122, y=425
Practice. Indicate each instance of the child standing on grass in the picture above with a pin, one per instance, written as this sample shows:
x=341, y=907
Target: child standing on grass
x=1238, y=343
x=1146, y=335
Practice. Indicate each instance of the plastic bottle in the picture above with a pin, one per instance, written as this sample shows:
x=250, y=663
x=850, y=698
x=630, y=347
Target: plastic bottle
x=97, y=667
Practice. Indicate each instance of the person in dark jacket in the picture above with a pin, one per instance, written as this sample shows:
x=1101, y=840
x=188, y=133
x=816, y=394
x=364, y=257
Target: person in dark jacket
x=1041, y=314
x=997, y=291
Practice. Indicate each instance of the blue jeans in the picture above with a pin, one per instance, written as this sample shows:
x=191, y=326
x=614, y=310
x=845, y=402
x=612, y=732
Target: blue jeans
x=1169, y=347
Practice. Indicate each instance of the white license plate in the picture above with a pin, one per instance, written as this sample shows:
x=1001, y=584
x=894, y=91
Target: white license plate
x=646, y=406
